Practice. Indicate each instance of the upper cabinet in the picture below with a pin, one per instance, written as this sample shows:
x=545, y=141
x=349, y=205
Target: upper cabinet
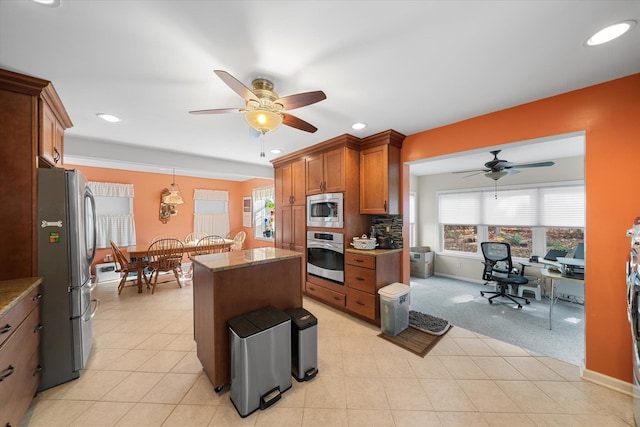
x=380, y=169
x=32, y=133
x=326, y=172
x=289, y=179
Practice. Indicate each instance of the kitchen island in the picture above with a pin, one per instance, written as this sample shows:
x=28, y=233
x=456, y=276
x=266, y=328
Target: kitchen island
x=230, y=284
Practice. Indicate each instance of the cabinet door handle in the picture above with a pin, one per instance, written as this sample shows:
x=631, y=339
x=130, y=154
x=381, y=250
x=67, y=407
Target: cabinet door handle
x=38, y=328
x=360, y=303
x=37, y=371
x=385, y=205
x=6, y=329
x=37, y=297
x=10, y=371
x=56, y=155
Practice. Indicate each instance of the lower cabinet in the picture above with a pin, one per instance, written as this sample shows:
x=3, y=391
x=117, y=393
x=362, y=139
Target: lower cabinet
x=19, y=357
x=364, y=273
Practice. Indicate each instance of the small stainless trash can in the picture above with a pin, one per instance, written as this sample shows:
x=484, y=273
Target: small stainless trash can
x=260, y=359
x=304, y=344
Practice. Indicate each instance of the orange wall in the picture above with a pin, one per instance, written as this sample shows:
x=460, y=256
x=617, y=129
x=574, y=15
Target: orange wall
x=146, y=203
x=609, y=113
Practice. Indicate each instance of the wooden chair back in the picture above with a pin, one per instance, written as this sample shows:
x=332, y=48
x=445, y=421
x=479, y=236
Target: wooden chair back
x=165, y=255
x=195, y=237
x=238, y=241
x=210, y=244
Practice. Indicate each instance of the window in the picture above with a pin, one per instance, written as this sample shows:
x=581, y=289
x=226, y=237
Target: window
x=412, y=219
x=114, y=214
x=264, y=212
x=211, y=212
x=532, y=219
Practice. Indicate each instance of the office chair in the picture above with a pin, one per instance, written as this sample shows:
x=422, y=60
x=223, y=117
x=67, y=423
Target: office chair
x=498, y=268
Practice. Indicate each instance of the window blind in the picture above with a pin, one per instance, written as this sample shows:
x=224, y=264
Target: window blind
x=114, y=214
x=211, y=211
x=511, y=208
x=562, y=206
x=459, y=208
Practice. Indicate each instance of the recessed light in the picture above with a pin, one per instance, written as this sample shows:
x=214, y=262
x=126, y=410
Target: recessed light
x=610, y=33
x=358, y=126
x=276, y=151
x=108, y=117
x=48, y=3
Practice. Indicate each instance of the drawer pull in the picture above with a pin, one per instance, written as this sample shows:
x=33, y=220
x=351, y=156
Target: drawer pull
x=37, y=297
x=38, y=328
x=359, y=260
x=360, y=279
x=312, y=288
x=10, y=370
x=337, y=298
x=360, y=303
x=37, y=371
x=5, y=329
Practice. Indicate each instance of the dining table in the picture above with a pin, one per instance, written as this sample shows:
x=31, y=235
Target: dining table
x=139, y=251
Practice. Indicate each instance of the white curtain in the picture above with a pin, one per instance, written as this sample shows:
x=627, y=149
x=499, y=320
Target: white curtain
x=114, y=214
x=211, y=215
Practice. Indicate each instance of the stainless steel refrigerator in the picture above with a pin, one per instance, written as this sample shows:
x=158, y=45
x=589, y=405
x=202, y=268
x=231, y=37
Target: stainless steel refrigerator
x=66, y=247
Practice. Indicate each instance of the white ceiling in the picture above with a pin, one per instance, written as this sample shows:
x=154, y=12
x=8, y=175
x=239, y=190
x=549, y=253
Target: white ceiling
x=403, y=65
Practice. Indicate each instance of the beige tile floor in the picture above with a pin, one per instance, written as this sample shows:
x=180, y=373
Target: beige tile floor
x=143, y=371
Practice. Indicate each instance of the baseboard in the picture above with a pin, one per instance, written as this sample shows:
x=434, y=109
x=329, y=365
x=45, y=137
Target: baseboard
x=464, y=279
x=607, y=381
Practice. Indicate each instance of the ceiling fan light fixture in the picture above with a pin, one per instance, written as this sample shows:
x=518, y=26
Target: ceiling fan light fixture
x=496, y=175
x=610, y=33
x=263, y=120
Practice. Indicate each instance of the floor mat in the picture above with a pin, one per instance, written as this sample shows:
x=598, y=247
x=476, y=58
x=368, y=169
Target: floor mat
x=428, y=323
x=414, y=340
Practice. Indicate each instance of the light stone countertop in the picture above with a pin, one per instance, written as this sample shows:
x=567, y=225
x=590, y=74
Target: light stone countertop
x=239, y=259
x=372, y=252
x=12, y=291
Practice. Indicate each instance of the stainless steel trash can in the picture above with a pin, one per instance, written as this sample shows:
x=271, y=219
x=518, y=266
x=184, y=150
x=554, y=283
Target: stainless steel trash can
x=260, y=359
x=304, y=344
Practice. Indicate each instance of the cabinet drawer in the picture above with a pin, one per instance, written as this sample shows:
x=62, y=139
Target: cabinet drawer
x=360, y=260
x=362, y=303
x=17, y=357
x=325, y=294
x=11, y=320
x=360, y=278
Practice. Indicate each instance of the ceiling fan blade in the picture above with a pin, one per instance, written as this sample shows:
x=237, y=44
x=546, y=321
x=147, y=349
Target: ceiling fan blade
x=236, y=85
x=533, y=165
x=218, y=111
x=473, y=170
x=298, y=100
x=295, y=122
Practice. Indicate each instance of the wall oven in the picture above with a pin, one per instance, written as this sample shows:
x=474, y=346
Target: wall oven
x=325, y=255
x=325, y=210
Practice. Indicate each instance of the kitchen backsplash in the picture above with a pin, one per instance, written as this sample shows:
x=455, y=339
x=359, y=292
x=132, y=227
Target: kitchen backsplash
x=393, y=223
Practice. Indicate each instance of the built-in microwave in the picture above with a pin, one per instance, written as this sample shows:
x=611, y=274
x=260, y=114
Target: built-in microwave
x=325, y=210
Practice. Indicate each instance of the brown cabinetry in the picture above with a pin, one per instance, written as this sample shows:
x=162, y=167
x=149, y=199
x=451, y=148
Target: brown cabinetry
x=326, y=172
x=290, y=206
x=364, y=274
x=31, y=111
x=380, y=169
x=19, y=352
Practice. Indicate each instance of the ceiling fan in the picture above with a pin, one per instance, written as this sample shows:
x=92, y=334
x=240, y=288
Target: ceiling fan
x=497, y=168
x=264, y=109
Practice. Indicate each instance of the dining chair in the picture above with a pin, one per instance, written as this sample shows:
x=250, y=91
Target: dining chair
x=164, y=236
x=210, y=244
x=127, y=267
x=165, y=255
x=194, y=237
x=238, y=241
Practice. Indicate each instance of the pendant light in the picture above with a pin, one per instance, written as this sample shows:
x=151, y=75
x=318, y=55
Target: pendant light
x=174, y=197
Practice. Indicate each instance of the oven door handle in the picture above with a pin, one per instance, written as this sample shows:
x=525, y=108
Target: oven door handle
x=329, y=246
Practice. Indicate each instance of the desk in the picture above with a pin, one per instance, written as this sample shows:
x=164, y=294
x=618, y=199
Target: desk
x=556, y=276
x=140, y=251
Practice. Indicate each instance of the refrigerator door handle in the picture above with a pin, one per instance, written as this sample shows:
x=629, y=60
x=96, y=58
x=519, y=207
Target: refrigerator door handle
x=96, y=304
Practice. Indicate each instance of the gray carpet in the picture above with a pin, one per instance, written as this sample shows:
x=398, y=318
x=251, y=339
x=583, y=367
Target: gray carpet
x=460, y=303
